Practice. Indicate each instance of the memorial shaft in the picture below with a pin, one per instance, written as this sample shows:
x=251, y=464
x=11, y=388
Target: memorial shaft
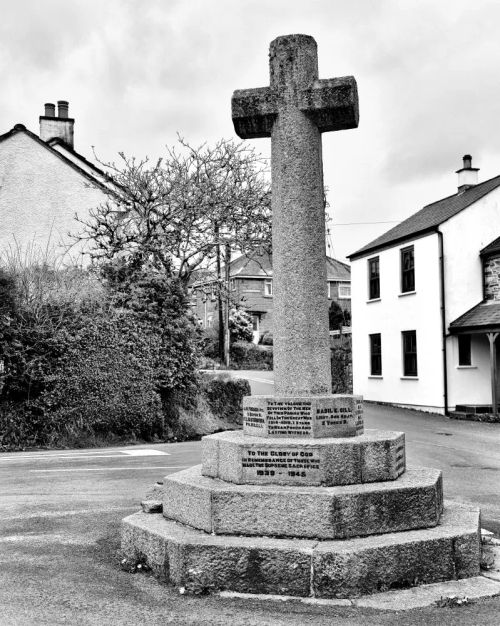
x=301, y=339
x=294, y=110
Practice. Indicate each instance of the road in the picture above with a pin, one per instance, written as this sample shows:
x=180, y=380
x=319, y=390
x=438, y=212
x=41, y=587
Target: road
x=59, y=530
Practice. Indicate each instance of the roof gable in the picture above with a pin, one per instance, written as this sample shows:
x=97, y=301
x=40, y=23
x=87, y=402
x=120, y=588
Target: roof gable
x=93, y=176
x=430, y=217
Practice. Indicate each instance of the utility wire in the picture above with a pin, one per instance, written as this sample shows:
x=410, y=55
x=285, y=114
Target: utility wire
x=363, y=223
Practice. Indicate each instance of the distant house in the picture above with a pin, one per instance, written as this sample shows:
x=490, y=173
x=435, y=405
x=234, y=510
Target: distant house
x=251, y=288
x=426, y=304
x=44, y=182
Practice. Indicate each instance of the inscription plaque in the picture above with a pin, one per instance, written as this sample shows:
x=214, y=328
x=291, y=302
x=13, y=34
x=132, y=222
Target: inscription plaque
x=289, y=417
x=282, y=463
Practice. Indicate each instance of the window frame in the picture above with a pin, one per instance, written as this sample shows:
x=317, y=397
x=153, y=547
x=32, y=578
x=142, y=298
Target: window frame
x=374, y=279
x=407, y=273
x=410, y=357
x=345, y=284
x=375, y=354
x=468, y=350
x=268, y=287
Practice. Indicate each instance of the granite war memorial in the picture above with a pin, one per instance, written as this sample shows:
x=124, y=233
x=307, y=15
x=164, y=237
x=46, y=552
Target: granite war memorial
x=303, y=501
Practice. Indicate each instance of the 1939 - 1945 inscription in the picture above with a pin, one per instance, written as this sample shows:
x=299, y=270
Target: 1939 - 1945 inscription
x=284, y=463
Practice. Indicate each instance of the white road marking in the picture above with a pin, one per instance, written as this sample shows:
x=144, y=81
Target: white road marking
x=261, y=380
x=85, y=455
x=111, y=469
x=144, y=452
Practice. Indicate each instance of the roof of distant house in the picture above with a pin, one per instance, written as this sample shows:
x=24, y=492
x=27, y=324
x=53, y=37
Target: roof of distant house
x=483, y=317
x=429, y=218
x=261, y=264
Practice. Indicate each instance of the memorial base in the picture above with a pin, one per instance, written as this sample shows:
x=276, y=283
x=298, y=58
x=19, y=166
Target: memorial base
x=200, y=561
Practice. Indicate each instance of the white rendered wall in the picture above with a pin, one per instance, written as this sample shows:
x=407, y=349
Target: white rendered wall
x=391, y=315
x=464, y=236
x=469, y=385
x=39, y=195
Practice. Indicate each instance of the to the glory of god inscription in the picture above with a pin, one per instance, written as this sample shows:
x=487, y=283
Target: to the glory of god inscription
x=281, y=464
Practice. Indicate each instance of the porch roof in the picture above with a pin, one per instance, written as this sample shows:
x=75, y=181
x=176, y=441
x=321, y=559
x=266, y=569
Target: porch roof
x=484, y=317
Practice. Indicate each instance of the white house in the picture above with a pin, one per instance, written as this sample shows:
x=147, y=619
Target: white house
x=44, y=182
x=426, y=304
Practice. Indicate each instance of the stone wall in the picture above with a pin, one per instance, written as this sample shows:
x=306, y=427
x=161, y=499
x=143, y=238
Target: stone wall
x=492, y=278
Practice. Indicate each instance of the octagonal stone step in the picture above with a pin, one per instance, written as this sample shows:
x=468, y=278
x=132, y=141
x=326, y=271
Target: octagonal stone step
x=215, y=506
x=237, y=457
x=303, y=567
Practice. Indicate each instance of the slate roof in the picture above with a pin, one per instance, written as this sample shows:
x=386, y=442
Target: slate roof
x=429, y=218
x=485, y=316
x=262, y=265
x=491, y=248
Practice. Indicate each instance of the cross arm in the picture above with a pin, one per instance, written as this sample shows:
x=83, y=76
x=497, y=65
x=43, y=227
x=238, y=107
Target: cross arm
x=332, y=103
x=253, y=112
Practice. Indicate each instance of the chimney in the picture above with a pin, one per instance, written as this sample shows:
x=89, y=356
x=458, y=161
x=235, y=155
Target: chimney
x=467, y=175
x=57, y=127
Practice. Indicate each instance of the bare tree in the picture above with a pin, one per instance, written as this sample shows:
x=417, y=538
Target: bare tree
x=176, y=211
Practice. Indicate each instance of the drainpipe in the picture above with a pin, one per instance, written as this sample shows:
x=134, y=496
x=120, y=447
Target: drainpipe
x=443, y=321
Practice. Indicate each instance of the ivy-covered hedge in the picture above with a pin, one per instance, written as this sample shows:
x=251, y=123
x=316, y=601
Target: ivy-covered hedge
x=250, y=356
x=225, y=396
x=84, y=364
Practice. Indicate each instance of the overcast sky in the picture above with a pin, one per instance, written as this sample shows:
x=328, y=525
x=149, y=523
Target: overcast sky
x=136, y=72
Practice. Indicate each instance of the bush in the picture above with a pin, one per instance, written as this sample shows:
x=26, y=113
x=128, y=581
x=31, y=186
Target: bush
x=250, y=356
x=240, y=326
x=266, y=338
x=225, y=396
x=105, y=384
x=341, y=363
x=83, y=361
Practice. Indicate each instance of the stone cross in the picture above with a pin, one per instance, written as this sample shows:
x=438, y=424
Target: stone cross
x=294, y=110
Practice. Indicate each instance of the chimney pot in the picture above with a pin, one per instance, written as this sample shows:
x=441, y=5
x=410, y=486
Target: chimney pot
x=467, y=161
x=50, y=109
x=62, y=108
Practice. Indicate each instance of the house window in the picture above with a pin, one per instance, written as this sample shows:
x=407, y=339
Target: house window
x=373, y=278
x=344, y=291
x=376, y=354
x=409, y=352
x=232, y=285
x=407, y=270
x=464, y=352
x=268, y=287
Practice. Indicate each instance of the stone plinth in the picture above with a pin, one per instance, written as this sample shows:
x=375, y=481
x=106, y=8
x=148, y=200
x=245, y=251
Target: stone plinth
x=239, y=458
x=303, y=416
x=303, y=567
x=215, y=506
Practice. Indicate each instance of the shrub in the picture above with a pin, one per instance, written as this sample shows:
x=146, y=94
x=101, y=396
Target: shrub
x=82, y=361
x=341, y=364
x=225, y=396
x=250, y=356
x=240, y=326
x=105, y=383
x=266, y=338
